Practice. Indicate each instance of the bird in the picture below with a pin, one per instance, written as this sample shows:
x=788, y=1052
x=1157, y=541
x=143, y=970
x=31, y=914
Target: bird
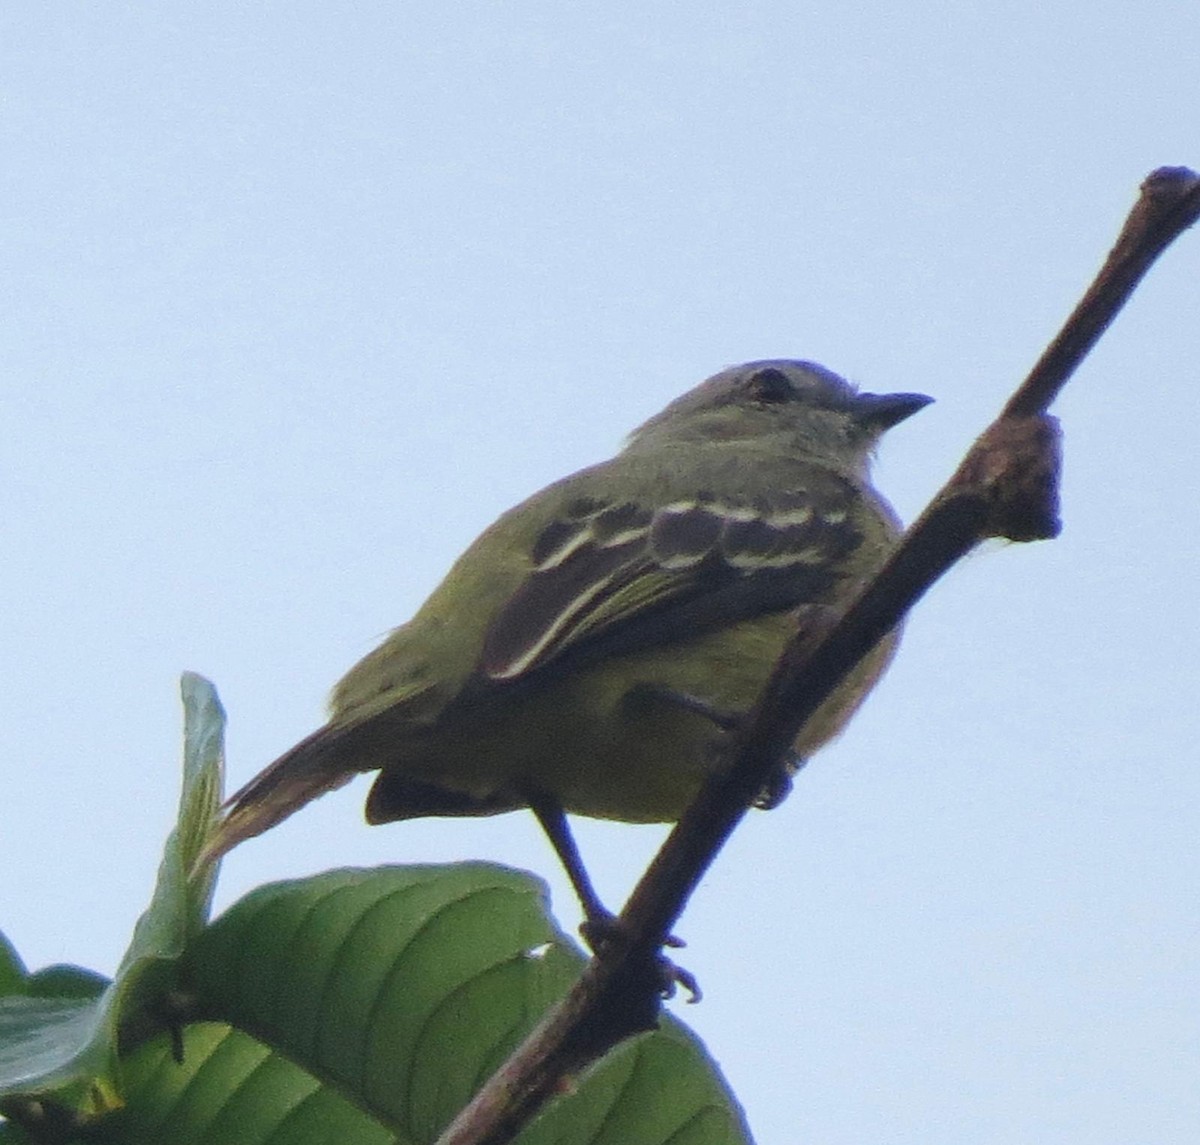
x=593, y=650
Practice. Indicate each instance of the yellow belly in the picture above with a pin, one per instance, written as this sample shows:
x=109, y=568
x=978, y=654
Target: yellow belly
x=607, y=741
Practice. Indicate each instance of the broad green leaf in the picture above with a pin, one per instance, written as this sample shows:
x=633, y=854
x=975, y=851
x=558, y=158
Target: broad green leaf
x=229, y=1090
x=402, y=988
x=65, y=1046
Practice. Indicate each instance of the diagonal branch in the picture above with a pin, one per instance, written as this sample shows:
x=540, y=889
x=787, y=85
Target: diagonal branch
x=1006, y=486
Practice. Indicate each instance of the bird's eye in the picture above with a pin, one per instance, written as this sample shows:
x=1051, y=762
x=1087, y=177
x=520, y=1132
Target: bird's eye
x=771, y=385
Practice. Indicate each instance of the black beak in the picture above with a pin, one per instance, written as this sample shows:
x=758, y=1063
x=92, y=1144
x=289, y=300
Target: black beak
x=882, y=411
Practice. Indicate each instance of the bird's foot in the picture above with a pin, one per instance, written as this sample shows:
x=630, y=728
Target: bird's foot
x=779, y=783
x=605, y=930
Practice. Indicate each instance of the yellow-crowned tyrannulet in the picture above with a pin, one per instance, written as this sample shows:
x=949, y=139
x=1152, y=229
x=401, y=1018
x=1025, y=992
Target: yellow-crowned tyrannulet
x=590, y=651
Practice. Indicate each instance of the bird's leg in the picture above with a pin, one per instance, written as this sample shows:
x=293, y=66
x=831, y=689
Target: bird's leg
x=554, y=822
x=600, y=924
x=650, y=694
x=779, y=783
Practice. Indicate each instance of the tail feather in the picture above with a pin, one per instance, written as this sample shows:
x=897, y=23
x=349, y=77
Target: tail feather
x=311, y=768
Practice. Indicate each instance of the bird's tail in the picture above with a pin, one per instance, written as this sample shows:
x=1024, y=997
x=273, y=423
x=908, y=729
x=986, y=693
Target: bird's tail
x=311, y=768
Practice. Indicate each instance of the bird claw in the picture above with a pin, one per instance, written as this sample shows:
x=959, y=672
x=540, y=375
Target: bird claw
x=672, y=975
x=600, y=931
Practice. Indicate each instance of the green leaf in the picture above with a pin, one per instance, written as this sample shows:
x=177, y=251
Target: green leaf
x=203, y=784
x=56, y=1007
x=229, y=1090
x=12, y=969
x=401, y=989
x=61, y=1045
x=47, y=1043
x=64, y=981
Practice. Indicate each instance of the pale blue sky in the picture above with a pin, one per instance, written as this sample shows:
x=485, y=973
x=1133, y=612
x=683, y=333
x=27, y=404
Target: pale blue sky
x=298, y=297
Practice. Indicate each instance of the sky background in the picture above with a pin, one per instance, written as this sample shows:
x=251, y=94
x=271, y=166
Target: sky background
x=298, y=298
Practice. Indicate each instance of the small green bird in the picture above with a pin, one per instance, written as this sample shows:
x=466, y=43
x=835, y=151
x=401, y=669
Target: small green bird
x=592, y=649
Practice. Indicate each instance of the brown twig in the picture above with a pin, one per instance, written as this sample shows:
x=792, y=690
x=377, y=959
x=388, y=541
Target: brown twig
x=1006, y=486
x=1168, y=205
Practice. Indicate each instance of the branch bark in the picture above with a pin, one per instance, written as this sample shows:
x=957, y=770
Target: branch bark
x=1006, y=486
